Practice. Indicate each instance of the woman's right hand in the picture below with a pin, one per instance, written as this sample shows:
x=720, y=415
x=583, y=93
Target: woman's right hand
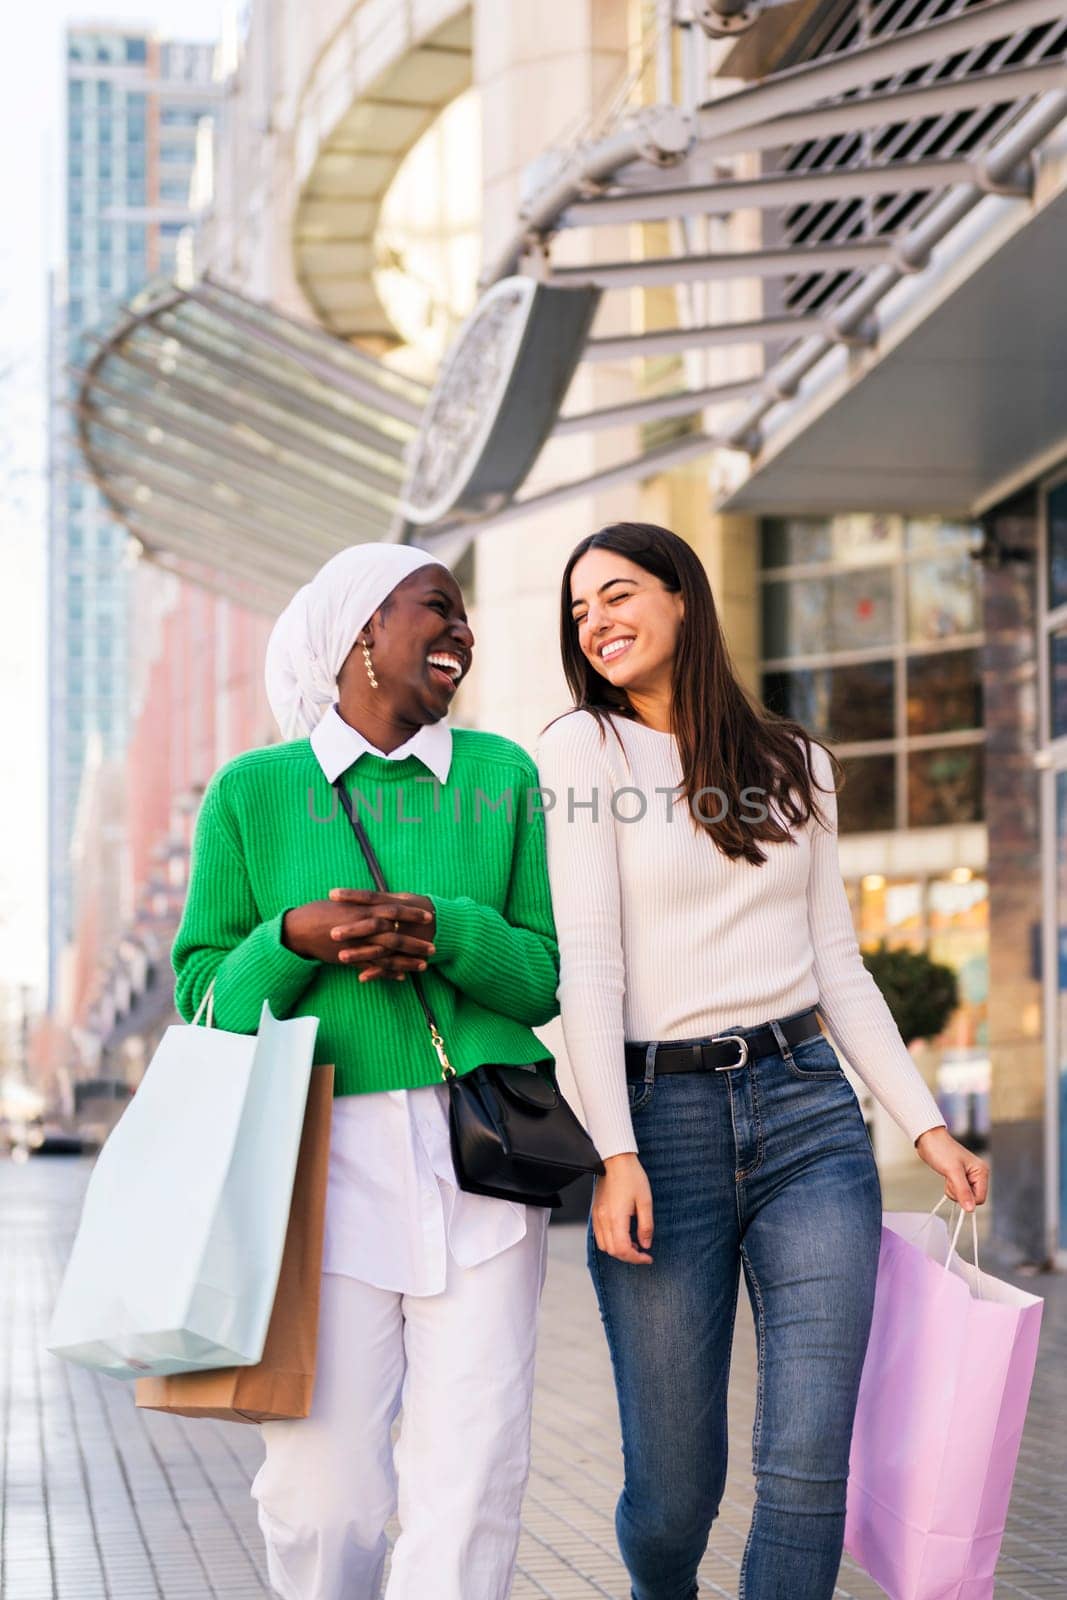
x=621, y=1194
x=383, y=938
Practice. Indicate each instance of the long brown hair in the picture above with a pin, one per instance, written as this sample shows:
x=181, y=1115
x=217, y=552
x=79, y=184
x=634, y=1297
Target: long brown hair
x=727, y=740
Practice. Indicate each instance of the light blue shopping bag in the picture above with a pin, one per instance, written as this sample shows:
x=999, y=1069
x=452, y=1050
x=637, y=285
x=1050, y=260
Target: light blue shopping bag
x=176, y=1260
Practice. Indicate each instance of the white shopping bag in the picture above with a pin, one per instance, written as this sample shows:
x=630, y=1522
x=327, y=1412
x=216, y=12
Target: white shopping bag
x=176, y=1259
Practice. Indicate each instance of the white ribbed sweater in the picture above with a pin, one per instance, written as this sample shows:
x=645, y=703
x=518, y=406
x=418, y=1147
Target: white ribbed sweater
x=661, y=936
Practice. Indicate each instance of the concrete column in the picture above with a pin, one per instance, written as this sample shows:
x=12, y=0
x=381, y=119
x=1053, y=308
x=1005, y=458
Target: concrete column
x=543, y=73
x=1012, y=811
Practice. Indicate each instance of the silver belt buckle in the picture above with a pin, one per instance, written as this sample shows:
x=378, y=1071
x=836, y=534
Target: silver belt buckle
x=738, y=1039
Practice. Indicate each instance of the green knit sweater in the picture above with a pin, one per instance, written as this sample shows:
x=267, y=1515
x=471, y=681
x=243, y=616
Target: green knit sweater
x=271, y=834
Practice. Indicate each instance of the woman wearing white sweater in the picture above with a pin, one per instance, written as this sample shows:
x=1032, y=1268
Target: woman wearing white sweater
x=702, y=922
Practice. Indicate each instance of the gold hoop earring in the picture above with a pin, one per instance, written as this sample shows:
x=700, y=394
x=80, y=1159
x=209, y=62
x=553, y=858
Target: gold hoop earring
x=369, y=665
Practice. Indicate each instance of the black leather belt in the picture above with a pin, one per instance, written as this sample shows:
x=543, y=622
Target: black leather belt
x=726, y=1050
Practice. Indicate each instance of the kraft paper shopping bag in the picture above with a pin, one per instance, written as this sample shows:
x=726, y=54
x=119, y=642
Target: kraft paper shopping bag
x=280, y=1386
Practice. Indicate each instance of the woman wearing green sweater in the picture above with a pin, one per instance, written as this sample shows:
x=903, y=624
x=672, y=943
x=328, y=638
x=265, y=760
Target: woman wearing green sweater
x=429, y=1294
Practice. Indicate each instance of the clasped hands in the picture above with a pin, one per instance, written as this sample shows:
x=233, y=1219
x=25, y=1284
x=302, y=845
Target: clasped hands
x=382, y=935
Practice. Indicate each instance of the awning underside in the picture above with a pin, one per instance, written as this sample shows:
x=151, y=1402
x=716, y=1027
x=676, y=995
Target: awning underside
x=240, y=447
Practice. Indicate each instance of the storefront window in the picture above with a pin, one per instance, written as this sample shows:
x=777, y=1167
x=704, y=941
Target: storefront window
x=861, y=613
x=944, y=786
x=1057, y=683
x=890, y=909
x=943, y=599
x=857, y=614
x=794, y=541
x=846, y=702
x=1056, y=514
x=947, y=917
x=867, y=799
x=944, y=692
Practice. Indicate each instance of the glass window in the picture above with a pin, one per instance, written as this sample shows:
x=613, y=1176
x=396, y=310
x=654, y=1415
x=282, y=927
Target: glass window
x=176, y=155
x=867, y=799
x=934, y=533
x=174, y=190
x=958, y=901
x=861, y=613
x=103, y=132
x=103, y=93
x=943, y=598
x=135, y=162
x=1056, y=503
x=890, y=909
x=136, y=50
x=75, y=91
x=843, y=703
x=944, y=786
x=1057, y=682
x=865, y=540
x=944, y=692
x=813, y=616
x=796, y=617
x=75, y=127
x=135, y=191
x=135, y=127
x=794, y=541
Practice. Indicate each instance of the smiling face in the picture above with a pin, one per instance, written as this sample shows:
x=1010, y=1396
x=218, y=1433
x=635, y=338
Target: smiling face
x=421, y=647
x=626, y=620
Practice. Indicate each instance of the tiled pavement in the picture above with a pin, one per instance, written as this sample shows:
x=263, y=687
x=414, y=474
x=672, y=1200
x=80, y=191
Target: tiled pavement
x=99, y=1500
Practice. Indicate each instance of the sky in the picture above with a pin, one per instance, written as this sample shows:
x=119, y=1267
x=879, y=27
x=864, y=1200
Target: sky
x=31, y=140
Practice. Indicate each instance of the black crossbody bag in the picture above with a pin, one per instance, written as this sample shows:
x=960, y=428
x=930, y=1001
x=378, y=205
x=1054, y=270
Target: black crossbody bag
x=513, y=1135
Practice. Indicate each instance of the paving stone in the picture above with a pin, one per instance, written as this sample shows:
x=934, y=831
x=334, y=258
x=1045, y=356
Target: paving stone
x=99, y=1501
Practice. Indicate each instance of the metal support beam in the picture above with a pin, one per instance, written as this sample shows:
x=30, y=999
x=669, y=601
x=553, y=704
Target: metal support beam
x=682, y=404
x=789, y=189
x=857, y=255
x=677, y=341
x=892, y=106
x=661, y=135
x=851, y=71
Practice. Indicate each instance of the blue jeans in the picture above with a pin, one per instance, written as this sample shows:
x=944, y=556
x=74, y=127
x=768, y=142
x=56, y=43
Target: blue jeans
x=765, y=1169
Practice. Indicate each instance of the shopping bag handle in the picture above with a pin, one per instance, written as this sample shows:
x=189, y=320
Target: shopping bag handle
x=955, y=1237
x=209, y=1001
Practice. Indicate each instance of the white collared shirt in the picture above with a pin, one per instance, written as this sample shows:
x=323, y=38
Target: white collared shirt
x=394, y=1211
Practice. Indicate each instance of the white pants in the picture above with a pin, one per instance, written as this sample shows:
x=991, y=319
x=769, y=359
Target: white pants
x=461, y=1365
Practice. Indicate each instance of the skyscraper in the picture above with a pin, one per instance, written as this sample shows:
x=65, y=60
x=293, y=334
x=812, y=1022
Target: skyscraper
x=133, y=105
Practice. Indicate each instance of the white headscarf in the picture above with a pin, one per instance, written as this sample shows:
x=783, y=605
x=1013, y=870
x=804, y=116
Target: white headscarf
x=321, y=623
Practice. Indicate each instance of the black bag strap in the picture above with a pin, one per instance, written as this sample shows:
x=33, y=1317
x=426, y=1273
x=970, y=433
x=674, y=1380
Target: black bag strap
x=363, y=839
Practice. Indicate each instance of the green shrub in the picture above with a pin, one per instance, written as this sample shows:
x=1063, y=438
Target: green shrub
x=921, y=993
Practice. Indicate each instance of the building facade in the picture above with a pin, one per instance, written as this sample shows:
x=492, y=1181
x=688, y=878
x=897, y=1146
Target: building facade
x=133, y=103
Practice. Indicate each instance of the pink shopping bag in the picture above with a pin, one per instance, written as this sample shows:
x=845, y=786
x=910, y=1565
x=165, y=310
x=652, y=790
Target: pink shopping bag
x=940, y=1417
